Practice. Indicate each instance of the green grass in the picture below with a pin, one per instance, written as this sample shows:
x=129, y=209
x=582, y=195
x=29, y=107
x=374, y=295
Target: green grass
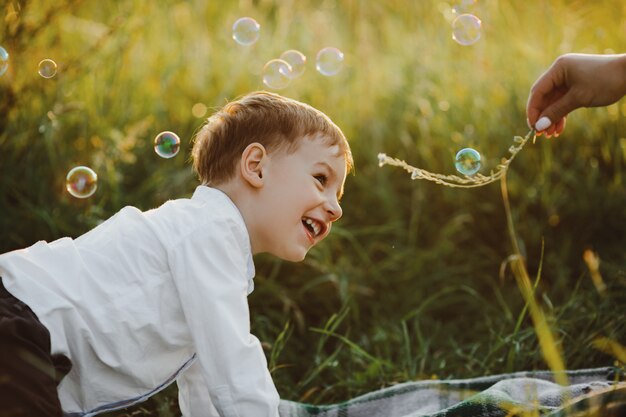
x=408, y=285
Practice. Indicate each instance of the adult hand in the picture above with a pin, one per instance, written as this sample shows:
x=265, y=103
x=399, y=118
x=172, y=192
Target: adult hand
x=573, y=81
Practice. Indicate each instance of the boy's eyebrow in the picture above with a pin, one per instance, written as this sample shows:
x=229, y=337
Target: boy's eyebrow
x=332, y=171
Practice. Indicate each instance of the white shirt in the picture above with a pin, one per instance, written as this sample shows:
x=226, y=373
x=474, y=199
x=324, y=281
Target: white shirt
x=147, y=298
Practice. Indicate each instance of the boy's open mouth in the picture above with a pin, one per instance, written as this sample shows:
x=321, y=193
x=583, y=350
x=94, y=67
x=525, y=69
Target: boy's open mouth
x=313, y=226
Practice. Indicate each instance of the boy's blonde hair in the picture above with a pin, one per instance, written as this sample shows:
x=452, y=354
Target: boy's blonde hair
x=267, y=118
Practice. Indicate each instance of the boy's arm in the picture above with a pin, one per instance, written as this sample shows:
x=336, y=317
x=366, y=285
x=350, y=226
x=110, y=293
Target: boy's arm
x=209, y=267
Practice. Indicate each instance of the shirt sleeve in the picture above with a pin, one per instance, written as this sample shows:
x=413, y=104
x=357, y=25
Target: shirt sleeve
x=209, y=266
x=193, y=394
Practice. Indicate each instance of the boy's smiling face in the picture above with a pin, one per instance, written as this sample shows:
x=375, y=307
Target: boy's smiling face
x=299, y=198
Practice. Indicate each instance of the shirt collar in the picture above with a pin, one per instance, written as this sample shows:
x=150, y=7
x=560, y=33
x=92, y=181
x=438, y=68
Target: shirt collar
x=203, y=192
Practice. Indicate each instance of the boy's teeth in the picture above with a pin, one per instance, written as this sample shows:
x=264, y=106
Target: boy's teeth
x=314, y=226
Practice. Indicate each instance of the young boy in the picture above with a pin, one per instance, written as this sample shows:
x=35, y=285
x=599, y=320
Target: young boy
x=147, y=298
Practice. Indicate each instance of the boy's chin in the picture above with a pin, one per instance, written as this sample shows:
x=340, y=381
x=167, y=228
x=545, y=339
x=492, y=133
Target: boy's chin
x=295, y=256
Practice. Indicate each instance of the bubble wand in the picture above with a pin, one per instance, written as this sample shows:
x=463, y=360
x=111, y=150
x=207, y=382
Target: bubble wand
x=469, y=181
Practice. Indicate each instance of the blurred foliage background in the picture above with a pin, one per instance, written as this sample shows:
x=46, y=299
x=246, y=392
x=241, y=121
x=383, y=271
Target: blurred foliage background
x=411, y=283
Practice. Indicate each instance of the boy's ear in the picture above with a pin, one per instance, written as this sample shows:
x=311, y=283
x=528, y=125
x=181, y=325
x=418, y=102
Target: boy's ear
x=253, y=160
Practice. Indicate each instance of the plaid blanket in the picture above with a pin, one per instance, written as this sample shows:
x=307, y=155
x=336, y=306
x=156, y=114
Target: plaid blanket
x=590, y=392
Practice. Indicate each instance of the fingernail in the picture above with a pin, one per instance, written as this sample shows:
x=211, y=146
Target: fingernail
x=543, y=124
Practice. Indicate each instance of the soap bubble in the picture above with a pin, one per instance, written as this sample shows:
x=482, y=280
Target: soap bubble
x=4, y=61
x=246, y=31
x=296, y=61
x=47, y=68
x=276, y=74
x=329, y=61
x=81, y=182
x=467, y=161
x=466, y=29
x=167, y=144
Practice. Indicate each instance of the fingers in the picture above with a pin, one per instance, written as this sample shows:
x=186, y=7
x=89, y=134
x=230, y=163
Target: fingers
x=554, y=129
x=534, y=107
x=549, y=100
x=557, y=111
x=558, y=104
x=550, y=131
x=546, y=90
x=560, y=125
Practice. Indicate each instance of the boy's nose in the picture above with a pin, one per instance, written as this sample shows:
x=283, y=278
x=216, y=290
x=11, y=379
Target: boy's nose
x=334, y=210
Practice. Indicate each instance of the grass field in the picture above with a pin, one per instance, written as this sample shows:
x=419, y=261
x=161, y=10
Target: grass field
x=413, y=282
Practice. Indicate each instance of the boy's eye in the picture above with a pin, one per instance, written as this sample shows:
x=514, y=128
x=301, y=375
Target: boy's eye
x=321, y=179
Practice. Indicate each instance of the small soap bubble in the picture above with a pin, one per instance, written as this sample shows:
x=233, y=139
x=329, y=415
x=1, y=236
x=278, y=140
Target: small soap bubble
x=167, y=144
x=415, y=175
x=381, y=159
x=329, y=61
x=276, y=74
x=296, y=61
x=47, y=68
x=4, y=61
x=467, y=161
x=466, y=29
x=246, y=31
x=81, y=182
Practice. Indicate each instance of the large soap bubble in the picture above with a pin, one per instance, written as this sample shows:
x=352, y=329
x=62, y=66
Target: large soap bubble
x=466, y=29
x=246, y=31
x=329, y=61
x=296, y=61
x=81, y=182
x=47, y=68
x=467, y=161
x=167, y=144
x=276, y=74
